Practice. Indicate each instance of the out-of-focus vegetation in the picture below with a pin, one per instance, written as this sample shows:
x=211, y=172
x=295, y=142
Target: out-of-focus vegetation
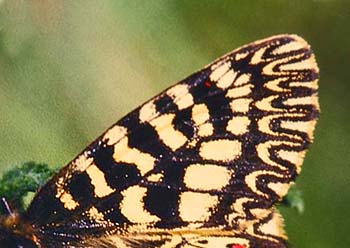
x=19, y=184
x=69, y=69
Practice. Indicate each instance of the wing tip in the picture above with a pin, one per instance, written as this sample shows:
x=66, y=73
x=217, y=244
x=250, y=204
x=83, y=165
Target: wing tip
x=297, y=42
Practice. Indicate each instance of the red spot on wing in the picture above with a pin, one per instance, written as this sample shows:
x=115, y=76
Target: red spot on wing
x=238, y=246
x=207, y=84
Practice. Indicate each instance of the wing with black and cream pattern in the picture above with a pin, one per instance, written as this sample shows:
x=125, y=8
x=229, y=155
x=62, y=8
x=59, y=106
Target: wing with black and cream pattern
x=200, y=165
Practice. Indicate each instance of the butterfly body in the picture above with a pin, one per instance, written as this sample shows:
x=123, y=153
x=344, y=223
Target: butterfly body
x=16, y=232
x=201, y=165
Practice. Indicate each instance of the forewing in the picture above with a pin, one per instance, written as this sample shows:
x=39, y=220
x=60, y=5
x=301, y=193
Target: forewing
x=216, y=150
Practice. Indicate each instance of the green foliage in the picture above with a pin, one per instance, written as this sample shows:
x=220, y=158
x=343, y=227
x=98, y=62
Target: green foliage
x=18, y=185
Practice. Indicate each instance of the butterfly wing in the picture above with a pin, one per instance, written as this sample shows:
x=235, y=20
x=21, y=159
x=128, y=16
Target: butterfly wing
x=199, y=165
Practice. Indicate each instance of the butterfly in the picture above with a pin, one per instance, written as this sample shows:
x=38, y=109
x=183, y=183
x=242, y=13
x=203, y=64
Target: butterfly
x=201, y=165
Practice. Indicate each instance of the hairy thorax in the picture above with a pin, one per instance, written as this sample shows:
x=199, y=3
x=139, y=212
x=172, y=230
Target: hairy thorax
x=16, y=233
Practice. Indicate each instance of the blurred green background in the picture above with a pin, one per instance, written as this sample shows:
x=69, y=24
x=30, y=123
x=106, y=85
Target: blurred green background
x=69, y=69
